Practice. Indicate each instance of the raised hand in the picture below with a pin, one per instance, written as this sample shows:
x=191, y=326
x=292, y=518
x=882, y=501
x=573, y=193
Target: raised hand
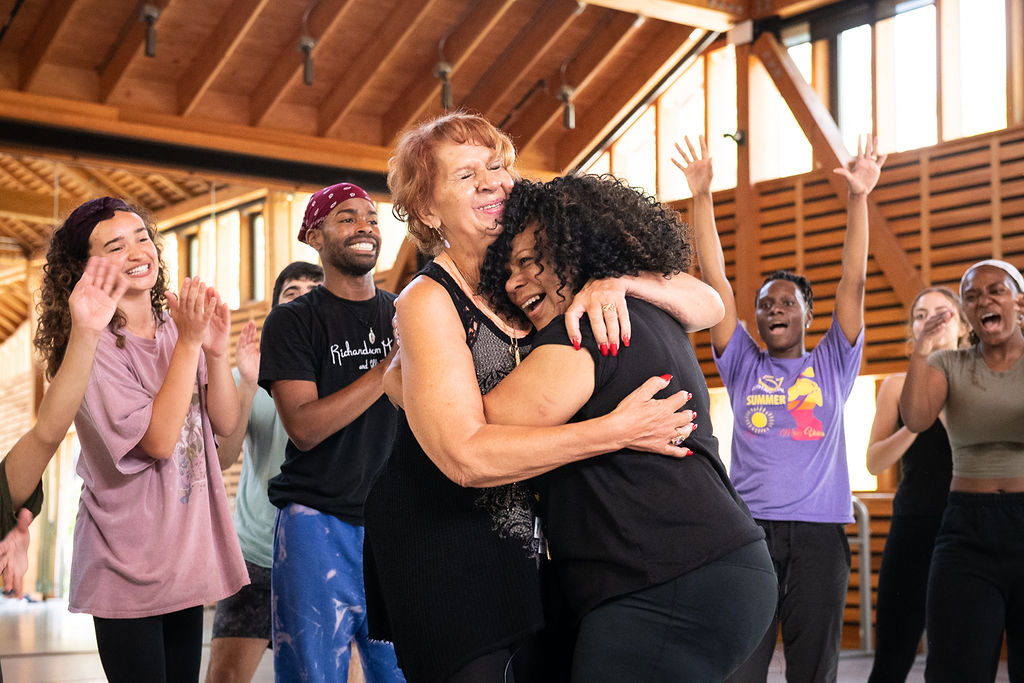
x=931, y=331
x=190, y=311
x=696, y=168
x=94, y=299
x=247, y=353
x=218, y=331
x=865, y=168
x=604, y=302
x=14, y=555
x=653, y=425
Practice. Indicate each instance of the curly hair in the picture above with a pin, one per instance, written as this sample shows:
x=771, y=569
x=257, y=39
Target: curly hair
x=65, y=262
x=592, y=227
x=412, y=169
x=803, y=285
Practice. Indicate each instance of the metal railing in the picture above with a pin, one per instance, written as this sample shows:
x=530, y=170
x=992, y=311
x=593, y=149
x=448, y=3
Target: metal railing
x=862, y=541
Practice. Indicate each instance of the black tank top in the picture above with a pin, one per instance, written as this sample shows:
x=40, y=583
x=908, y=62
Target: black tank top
x=451, y=572
x=926, y=469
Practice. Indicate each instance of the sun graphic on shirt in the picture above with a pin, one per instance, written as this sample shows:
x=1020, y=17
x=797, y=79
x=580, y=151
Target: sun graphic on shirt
x=758, y=420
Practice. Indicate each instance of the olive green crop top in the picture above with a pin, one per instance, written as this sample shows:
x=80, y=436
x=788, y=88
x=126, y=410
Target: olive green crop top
x=984, y=414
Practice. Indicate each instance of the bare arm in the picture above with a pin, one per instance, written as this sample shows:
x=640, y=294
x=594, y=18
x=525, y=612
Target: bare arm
x=92, y=304
x=861, y=178
x=691, y=302
x=170, y=405
x=247, y=360
x=699, y=172
x=446, y=412
x=309, y=419
x=925, y=387
x=221, y=396
x=889, y=440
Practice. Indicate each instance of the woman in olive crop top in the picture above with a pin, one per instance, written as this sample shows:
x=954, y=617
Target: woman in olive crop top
x=976, y=584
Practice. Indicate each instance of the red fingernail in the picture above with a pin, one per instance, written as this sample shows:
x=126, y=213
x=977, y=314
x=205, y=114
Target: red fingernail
x=576, y=344
x=694, y=416
x=667, y=378
x=625, y=340
x=604, y=349
x=688, y=452
x=615, y=349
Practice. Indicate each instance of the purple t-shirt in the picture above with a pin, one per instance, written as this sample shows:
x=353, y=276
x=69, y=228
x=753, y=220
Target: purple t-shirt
x=152, y=536
x=788, y=441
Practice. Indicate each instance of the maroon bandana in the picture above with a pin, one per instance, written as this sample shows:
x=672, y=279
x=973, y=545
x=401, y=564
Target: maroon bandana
x=323, y=202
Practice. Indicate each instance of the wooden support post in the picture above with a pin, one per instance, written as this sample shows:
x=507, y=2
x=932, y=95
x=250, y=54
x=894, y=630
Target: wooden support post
x=748, y=275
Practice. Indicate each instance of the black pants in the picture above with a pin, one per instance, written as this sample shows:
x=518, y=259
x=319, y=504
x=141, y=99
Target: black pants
x=976, y=588
x=697, y=627
x=812, y=561
x=902, y=587
x=163, y=649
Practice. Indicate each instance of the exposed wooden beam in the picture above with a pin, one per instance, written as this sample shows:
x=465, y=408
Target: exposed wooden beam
x=608, y=41
x=402, y=24
x=532, y=43
x=219, y=47
x=198, y=207
x=131, y=39
x=745, y=260
x=711, y=15
x=823, y=133
x=638, y=78
x=403, y=268
x=761, y=9
x=34, y=53
x=325, y=17
x=13, y=274
x=424, y=94
x=32, y=206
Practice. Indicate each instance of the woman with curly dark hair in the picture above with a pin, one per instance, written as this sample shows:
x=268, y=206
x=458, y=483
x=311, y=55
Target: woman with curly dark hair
x=663, y=570
x=154, y=540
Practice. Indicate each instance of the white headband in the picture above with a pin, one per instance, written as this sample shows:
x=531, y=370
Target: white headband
x=995, y=263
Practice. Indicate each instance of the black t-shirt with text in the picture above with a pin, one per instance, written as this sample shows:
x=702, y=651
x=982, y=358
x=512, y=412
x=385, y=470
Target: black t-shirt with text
x=330, y=341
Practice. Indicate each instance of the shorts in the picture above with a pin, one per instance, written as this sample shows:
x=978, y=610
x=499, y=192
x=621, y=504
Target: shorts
x=246, y=614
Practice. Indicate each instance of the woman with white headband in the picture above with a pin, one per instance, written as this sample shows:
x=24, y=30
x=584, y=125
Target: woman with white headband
x=976, y=585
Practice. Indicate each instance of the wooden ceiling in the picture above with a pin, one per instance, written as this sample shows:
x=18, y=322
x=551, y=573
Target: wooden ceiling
x=223, y=98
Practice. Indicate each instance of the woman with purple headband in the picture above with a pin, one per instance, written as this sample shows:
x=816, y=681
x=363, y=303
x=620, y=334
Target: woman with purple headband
x=154, y=540
x=976, y=583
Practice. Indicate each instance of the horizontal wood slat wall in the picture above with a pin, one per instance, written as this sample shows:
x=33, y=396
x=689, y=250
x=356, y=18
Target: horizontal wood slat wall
x=948, y=205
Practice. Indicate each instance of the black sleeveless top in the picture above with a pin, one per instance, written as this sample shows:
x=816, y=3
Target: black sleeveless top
x=451, y=572
x=926, y=469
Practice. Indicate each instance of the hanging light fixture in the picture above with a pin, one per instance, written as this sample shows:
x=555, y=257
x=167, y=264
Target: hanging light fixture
x=306, y=45
x=150, y=13
x=443, y=71
x=568, y=108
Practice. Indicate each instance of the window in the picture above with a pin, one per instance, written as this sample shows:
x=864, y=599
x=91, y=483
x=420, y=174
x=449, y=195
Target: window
x=855, y=99
x=680, y=114
x=906, y=78
x=721, y=115
x=633, y=156
x=780, y=147
x=974, y=74
x=257, y=251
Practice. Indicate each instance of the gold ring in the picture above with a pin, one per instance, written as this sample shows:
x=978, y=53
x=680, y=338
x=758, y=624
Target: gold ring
x=678, y=441
x=608, y=307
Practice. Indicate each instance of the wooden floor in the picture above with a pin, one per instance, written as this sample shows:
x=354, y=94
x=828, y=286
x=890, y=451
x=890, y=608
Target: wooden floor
x=43, y=642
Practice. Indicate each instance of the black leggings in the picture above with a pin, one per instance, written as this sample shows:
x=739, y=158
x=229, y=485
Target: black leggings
x=902, y=585
x=167, y=648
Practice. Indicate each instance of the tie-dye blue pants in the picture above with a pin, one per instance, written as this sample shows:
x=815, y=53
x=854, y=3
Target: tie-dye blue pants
x=318, y=603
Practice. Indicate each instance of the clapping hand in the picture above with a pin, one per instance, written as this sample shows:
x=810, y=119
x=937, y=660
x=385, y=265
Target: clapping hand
x=247, y=353
x=94, y=299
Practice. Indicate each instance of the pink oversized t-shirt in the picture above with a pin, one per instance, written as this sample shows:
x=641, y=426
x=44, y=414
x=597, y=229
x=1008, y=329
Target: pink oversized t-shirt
x=152, y=536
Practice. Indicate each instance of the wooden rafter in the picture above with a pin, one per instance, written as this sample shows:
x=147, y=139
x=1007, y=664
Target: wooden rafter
x=650, y=66
x=32, y=206
x=458, y=48
x=823, y=133
x=133, y=37
x=717, y=15
x=532, y=43
x=325, y=17
x=606, y=44
x=400, y=25
x=54, y=17
x=222, y=43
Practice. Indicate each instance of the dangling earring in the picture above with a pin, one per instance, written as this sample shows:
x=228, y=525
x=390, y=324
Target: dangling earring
x=440, y=236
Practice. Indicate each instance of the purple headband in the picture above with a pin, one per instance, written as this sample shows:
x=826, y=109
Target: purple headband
x=323, y=202
x=78, y=226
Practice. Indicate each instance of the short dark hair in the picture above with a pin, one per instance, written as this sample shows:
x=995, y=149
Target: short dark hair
x=802, y=284
x=296, y=270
